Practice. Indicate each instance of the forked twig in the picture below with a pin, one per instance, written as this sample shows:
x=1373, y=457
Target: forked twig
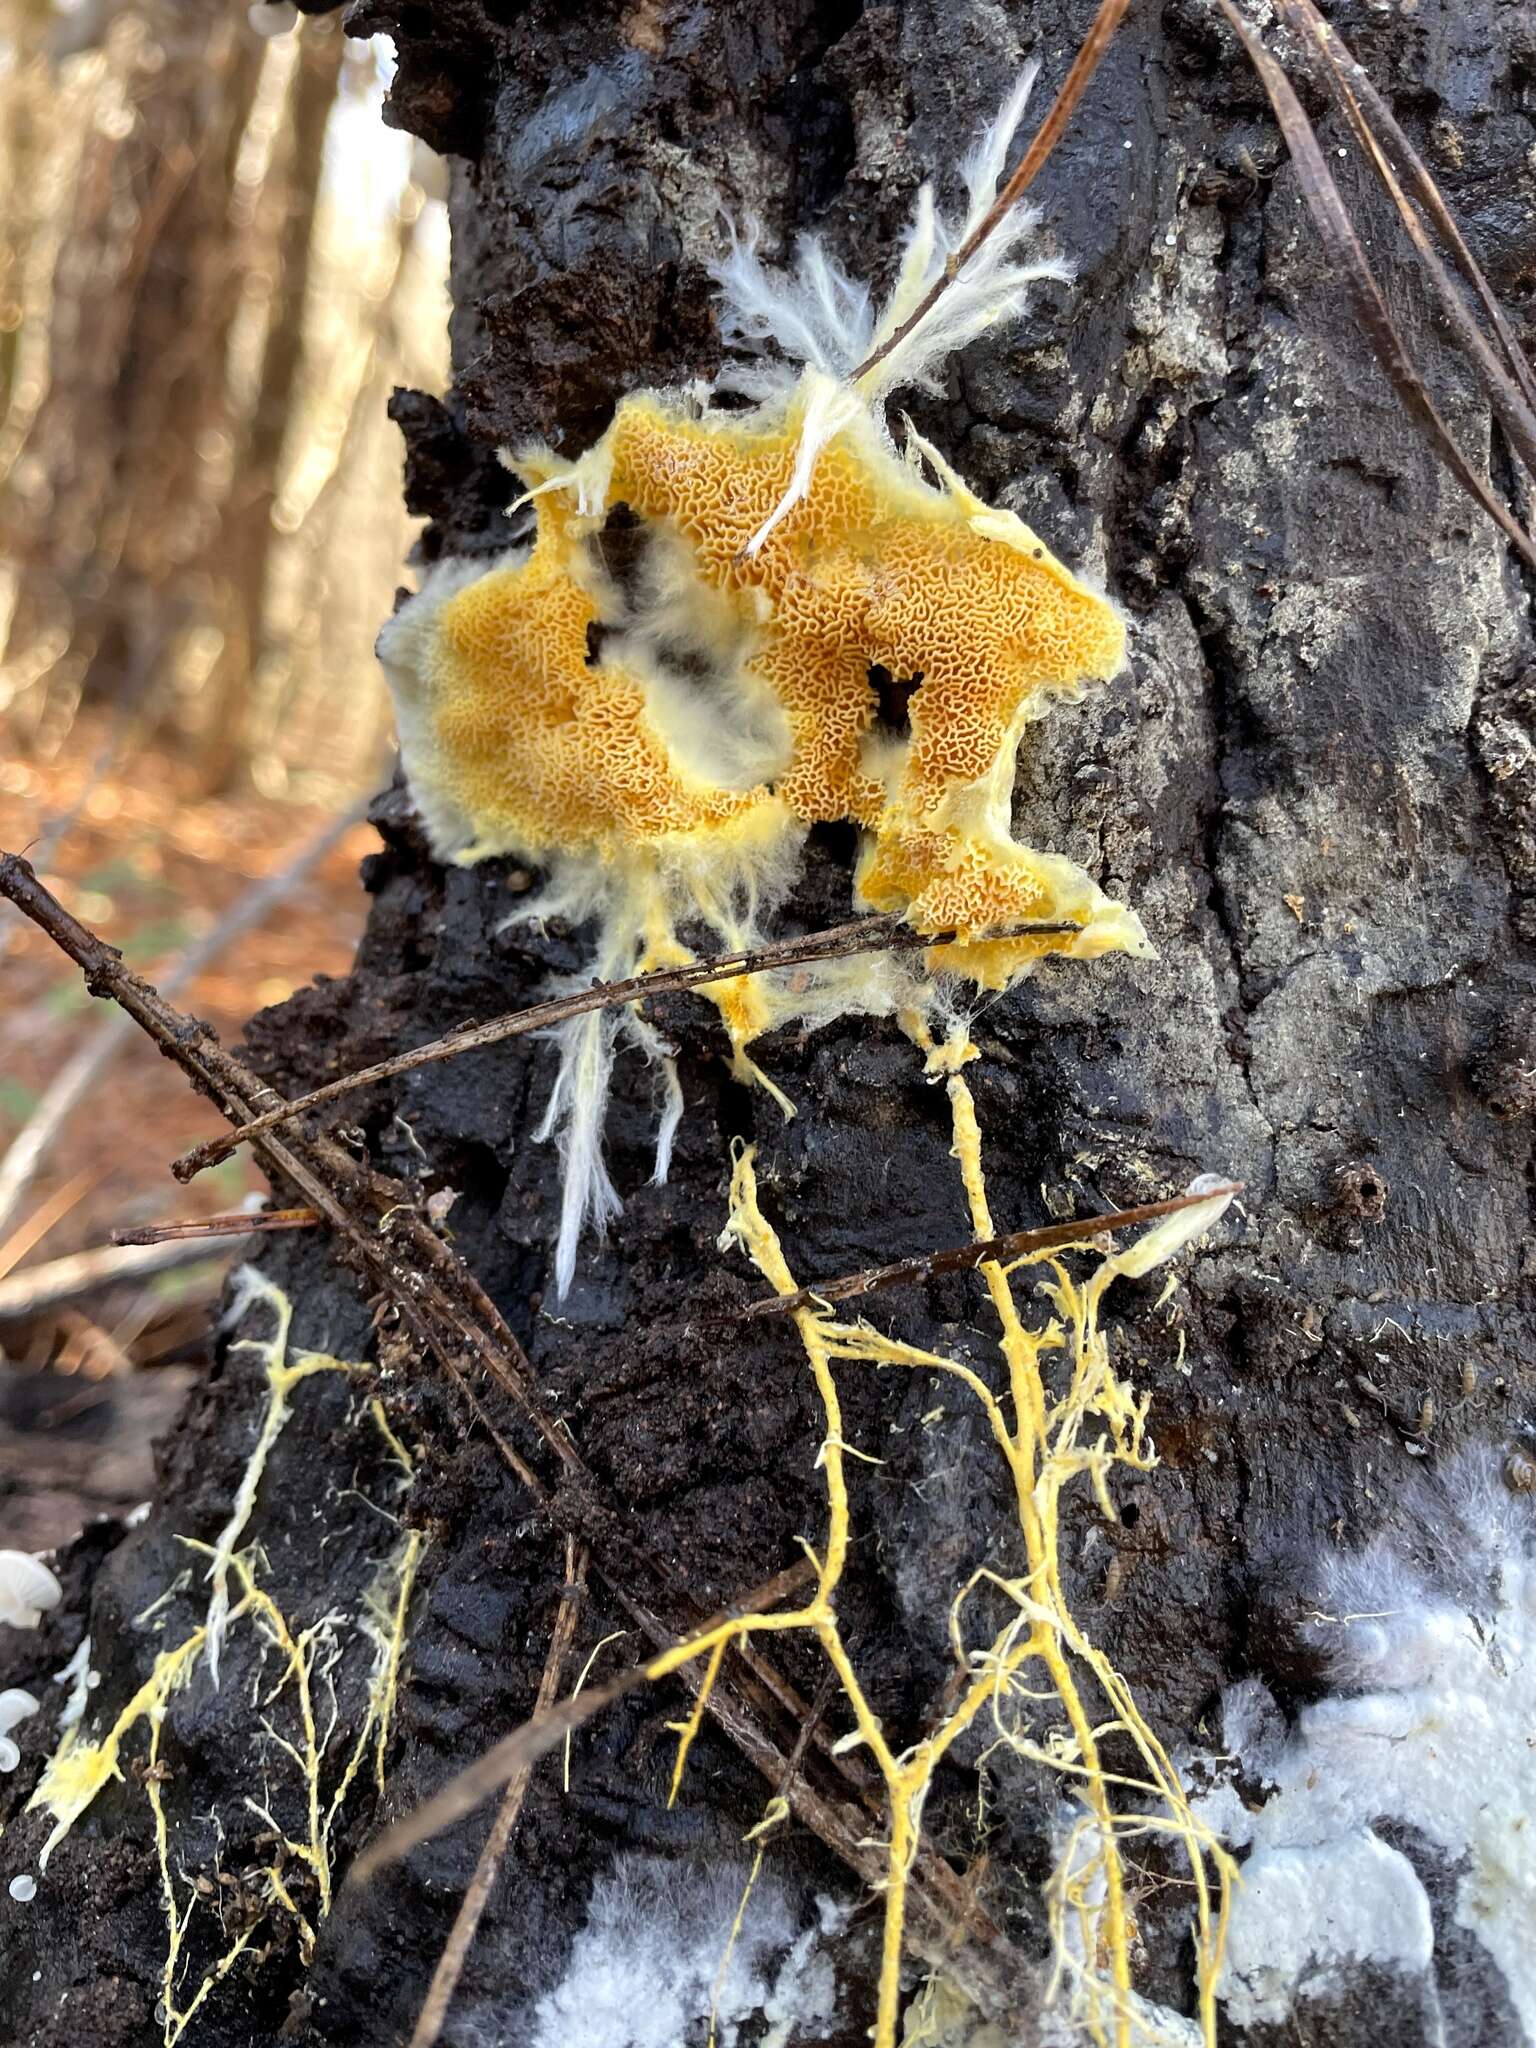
x=862, y=935
x=446, y=1311
x=964, y=1258
x=1045, y=138
x=74, y=1080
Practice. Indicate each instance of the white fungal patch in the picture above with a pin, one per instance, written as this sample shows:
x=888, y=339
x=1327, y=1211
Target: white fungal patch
x=647, y=1966
x=82, y=1682
x=15, y=1706
x=27, y=1589
x=1432, y=1634
x=1308, y=1916
x=23, y=1889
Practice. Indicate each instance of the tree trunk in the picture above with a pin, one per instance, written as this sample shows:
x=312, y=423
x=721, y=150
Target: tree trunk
x=1312, y=783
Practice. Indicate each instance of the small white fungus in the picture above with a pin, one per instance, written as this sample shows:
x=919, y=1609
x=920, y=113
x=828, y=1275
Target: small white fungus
x=15, y=1706
x=82, y=1682
x=26, y=1588
x=646, y=1969
x=23, y=1889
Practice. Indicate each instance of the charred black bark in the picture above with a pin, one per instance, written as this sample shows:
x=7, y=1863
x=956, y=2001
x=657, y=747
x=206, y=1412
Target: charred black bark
x=1314, y=784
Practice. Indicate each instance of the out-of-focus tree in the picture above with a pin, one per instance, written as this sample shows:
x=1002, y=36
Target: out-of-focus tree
x=200, y=309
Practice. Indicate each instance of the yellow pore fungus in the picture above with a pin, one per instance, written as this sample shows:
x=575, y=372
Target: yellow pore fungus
x=661, y=735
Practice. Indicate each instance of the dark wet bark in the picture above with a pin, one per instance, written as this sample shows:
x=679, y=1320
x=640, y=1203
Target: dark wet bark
x=1314, y=785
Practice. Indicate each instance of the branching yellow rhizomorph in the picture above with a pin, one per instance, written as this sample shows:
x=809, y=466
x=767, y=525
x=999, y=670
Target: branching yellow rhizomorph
x=662, y=741
x=1050, y=1426
x=302, y=1694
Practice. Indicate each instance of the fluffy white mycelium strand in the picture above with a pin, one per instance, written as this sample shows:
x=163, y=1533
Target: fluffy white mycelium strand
x=826, y=321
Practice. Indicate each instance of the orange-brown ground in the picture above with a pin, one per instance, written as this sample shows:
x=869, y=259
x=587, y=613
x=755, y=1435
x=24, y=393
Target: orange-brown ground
x=150, y=865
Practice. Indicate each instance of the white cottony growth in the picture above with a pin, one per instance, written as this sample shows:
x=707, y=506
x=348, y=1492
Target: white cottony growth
x=824, y=320
x=648, y=1963
x=27, y=1588
x=654, y=1046
x=574, y=1116
x=1435, y=1732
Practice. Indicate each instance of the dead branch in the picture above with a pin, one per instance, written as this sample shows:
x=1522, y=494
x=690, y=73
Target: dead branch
x=862, y=935
x=79, y=1075
x=237, y=1223
x=85, y=1273
x=1332, y=218
x=1018, y=1244
x=1511, y=397
x=1349, y=76
x=446, y=1310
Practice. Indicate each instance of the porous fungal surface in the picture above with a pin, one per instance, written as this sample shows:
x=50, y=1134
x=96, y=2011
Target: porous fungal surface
x=660, y=736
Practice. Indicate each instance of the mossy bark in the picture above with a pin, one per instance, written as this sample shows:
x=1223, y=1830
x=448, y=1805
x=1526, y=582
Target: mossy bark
x=1313, y=783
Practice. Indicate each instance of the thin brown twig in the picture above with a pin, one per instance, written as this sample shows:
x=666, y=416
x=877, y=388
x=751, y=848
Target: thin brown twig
x=444, y=1308
x=537, y=1736
x=862, y=935
x=964, y=1258
x=807, y=1730
x=1506, y=393
x=79, y=1274
x=1347, y=68
x=466, y=1924
x=237, y=1223
x=1332, y=218
x=80, y=1073
x=1042, y=142
x=330, y=1180
x=30, y=1233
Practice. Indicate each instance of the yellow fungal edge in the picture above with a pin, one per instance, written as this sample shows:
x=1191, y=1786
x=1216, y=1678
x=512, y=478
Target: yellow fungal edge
x=82, y=1767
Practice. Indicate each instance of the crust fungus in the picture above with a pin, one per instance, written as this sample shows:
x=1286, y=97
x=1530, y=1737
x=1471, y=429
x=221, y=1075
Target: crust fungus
x=660, y=741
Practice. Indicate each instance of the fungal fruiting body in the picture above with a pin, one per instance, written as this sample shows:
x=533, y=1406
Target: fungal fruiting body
x=27, y=1589
x=661, y=730
x=15, y=1705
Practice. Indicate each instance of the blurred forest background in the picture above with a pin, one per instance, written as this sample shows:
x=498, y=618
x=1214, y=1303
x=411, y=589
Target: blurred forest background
x=215, y=264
